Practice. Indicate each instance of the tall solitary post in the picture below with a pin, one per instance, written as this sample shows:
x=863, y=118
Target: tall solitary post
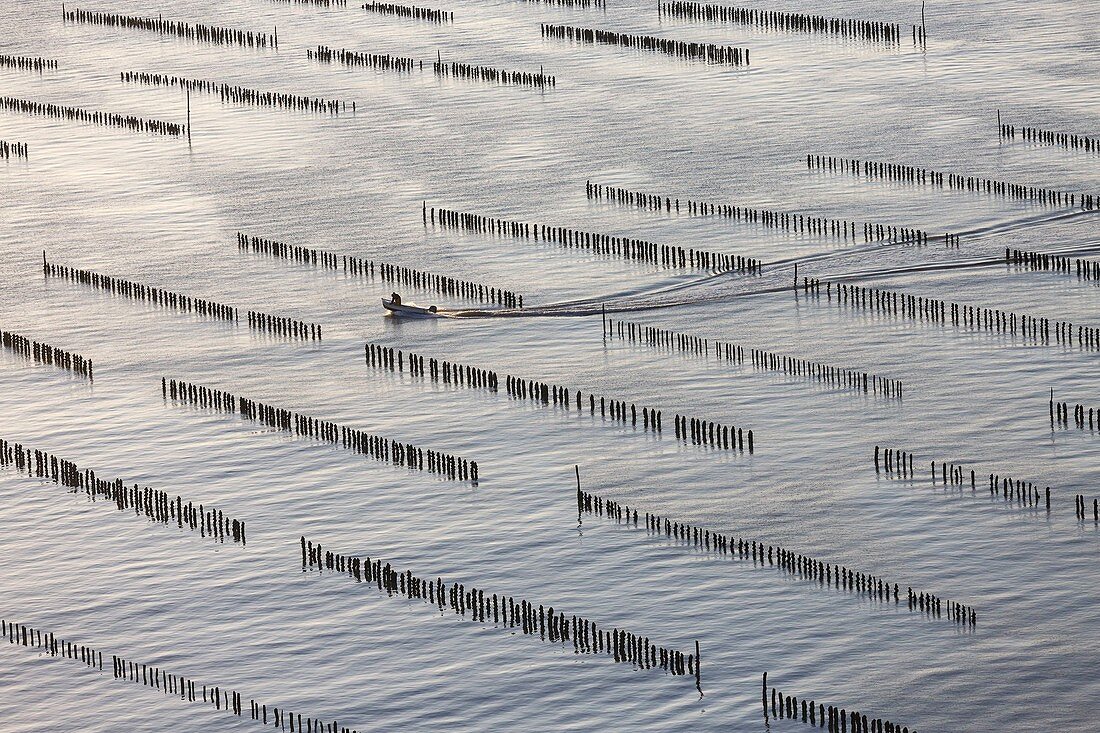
x=188, y=117
x=577, y=468
x=698, y=677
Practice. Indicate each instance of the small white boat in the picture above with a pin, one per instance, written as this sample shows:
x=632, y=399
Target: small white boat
x=410, y=309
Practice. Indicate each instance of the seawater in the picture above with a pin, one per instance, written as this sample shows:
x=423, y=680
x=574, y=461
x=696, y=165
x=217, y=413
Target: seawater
x=162, y=212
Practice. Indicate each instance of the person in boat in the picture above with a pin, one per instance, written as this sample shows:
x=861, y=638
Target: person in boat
x=395, y=298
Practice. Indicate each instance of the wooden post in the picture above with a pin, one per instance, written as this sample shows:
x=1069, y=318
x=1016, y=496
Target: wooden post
x=698, y=678
x=923, y=27
x=188, y=116
x=577, y=468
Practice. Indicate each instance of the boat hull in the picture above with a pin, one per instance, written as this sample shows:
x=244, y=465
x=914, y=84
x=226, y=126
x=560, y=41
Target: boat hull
x=411, y=310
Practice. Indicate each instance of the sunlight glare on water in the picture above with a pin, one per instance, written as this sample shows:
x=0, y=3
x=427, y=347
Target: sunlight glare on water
x=165, y=212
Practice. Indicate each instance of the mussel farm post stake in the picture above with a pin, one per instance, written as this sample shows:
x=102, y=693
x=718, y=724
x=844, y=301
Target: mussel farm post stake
x=698, y=677
x=189, y=117
x=577, y=468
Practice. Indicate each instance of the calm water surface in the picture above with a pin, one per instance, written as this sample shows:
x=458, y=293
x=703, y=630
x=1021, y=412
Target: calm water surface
x=163, y=212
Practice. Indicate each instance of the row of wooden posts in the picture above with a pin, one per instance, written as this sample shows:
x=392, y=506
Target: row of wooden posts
x=148, y=675
x=94, y=117
x=154, y=504
x=1023, y=492
x=460, y=70
x=689, y=429
x=793, y=563
x=1027, y=260
x=894, y=461
x=279, y=325
x=405, y=64
x=932, y=310
x=43, y=353
x=829, y=717
x=900, y=463
x=27, y=63
x=411, y=11
x=283, y=326
x=604, y=244
x=734, y=353
x=1084, y=417
x=1049, y=137
x=48, y=643
x=1080, y=505
x=691, y=50
x=396, y=274
x=322, y=3
x=239, y=94
x=189, y=31
x=377, y=447
x=138, y=291
x=12, y=150
x=786, y=221
x=777, y=20
x=926, y=176
x=584, y=4
x=381, y=61
x=545, y=622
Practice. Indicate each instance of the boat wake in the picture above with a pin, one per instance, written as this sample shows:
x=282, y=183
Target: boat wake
x=982, y=249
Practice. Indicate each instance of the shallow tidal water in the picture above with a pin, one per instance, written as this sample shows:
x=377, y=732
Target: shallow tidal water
x=162, y=212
